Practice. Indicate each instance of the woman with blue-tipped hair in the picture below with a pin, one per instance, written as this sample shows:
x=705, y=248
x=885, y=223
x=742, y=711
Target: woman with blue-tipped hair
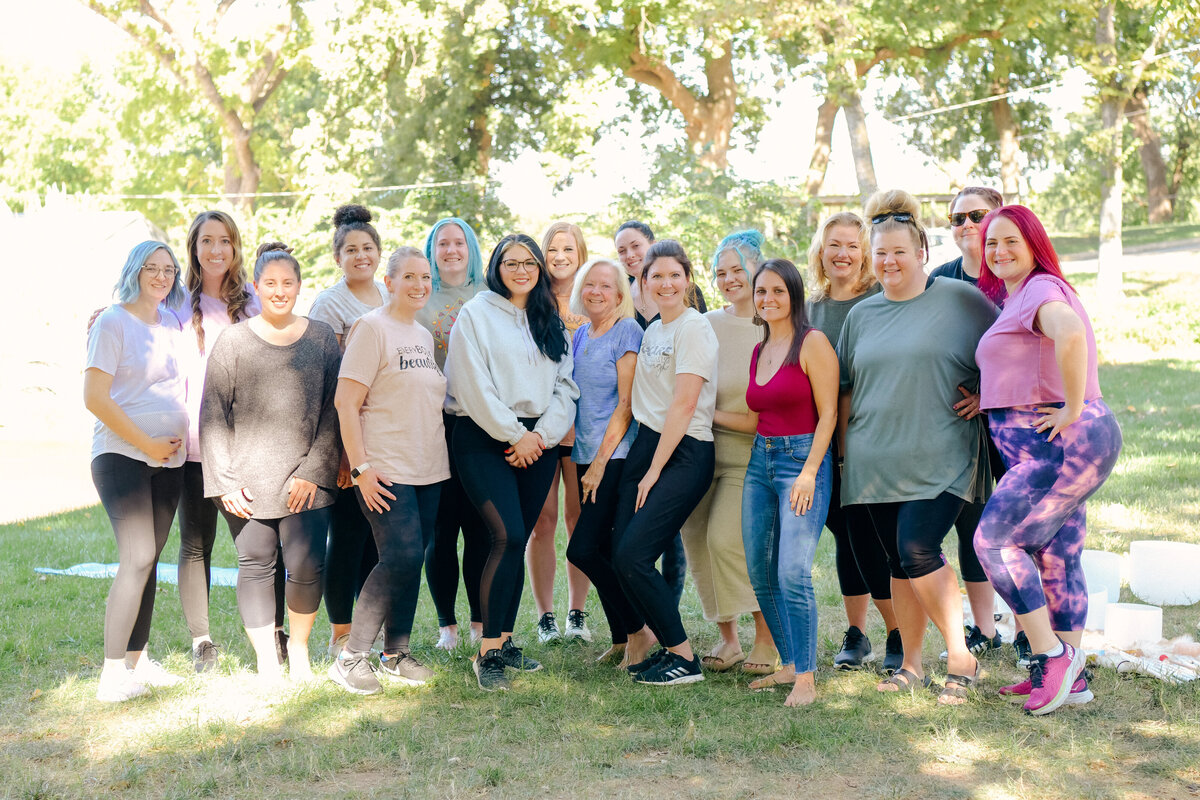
x=134, y=386
x=457, y=267
x=712, y=536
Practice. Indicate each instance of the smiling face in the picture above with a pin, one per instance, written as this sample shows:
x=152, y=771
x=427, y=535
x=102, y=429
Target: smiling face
x=451, y=255
x=600, y=293
x=1008, y=255
x=214, y=249
x=278, y=286
x=410, y=285
x=358, y=257
x=667, y=284
x=966, y=236
x=733, y=280
x=562, y=257
x=842, y=254
x=897, y=260
x=771, y=298
x=631, y=247
x=157, y=276
x=518, y=273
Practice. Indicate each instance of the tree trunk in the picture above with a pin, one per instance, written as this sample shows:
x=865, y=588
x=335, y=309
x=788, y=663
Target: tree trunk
x=1006, y=125
x=1182, y=144
x=1158, y=197
x=822, y=144
x=1109, y=277
x=860, y=144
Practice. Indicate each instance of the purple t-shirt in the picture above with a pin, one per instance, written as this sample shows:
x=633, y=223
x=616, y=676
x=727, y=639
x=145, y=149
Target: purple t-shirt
x=1016, y=361
x=595, y=372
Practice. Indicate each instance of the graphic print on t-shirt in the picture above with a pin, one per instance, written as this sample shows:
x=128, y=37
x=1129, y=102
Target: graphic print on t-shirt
x=657, y=356
x=414, y=356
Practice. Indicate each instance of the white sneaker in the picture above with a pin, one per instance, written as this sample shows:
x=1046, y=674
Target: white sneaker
x=339, y=644
x=547, y=629
x=577, y=625
x=151, y=673
x=119, y=685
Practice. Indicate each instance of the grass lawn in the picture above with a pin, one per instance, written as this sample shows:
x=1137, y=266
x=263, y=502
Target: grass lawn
x=1131, y=236
x=579, y=729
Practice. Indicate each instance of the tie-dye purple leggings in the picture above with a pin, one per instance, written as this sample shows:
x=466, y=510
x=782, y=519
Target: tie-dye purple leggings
x=1035, y=521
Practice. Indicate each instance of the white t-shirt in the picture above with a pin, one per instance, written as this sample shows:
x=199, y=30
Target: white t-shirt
x=402, y=415
x=148, y=383
x=340, y=309
x=685, y=345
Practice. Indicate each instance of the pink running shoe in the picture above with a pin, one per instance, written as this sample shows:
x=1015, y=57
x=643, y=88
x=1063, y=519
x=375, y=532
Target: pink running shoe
x=1051, y=679
x=1080, y=691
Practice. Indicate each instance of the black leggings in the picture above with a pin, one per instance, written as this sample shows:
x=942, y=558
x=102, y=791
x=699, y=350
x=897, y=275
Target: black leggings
x=350, y=557
x=388, y=598
x=197, y=534
x=912, y=532
x=455, y=513
x=968, y=520
x=140, y=502
x=591, y=547
x=862, y=566
x=640, y=538
x=509, y=501
x=301, y=538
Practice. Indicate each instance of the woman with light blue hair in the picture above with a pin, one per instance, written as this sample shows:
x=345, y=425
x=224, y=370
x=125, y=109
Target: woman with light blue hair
x=458, y=275
x=134, y=386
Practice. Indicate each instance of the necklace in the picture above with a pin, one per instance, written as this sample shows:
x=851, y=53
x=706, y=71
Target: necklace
x=772, y=351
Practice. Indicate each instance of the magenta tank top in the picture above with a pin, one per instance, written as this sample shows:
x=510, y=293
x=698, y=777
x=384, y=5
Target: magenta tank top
x=785, y=403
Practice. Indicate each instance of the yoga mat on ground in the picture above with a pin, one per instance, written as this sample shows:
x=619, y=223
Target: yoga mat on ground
x=167, y=573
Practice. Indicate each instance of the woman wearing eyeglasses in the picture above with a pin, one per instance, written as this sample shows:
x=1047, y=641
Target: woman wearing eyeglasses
x=509, y=383
x=909, y=456
x=967, y=210
x=134, y=386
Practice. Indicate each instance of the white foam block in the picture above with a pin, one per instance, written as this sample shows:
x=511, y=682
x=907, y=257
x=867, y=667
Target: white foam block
x=1127, y=624
x=1165, y=573
x=1103, y=571
x=1097, y=606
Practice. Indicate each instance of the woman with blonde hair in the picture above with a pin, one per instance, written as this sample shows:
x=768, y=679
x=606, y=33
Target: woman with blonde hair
x=909, y=456
x=839, y=265
x=565, y=251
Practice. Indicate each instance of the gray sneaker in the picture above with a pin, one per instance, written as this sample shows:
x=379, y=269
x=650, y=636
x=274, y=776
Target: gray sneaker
x=489, y=671
x=513, y=658
x=403, y=668
x=354, y=673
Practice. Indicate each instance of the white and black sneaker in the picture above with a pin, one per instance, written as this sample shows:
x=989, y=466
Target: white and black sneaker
x=403, y=668
x=856, y=648
x=648, y=663
x=670, y=670
x=547, y=629
x=354, y=673
x=577, y=625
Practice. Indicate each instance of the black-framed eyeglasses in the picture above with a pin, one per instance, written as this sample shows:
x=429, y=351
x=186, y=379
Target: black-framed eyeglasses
x=899, y=216
x=976, y=216
x=529, y=267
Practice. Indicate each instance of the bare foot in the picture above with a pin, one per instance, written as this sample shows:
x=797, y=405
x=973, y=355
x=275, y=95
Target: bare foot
x=783, y=677
x=638, y=647
x=803, y=693
x=447, y=638
x=299, y=668
x=613, y=655
x=476, y=632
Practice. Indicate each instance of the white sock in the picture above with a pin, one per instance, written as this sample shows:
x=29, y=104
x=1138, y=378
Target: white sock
x=1058, y=650
x=196, y=640
x=114, y=664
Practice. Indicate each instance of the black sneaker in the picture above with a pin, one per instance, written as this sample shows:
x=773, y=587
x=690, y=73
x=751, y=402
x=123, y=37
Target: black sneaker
x=489, y=671
x=281, y=640
x=979, y=644
x=651, y=660
x=547, y=629
x=1024, y=651
x=670, y=670
x=856, y=648
x=353, y=672
x=403, y=668
x=204, y=657
x=512, y=657
x=893, y=657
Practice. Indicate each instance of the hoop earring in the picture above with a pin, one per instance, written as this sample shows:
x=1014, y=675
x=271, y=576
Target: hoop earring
x=757, y=320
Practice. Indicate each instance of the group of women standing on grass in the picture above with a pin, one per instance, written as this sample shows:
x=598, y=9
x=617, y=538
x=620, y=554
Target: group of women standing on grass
x=348, y=448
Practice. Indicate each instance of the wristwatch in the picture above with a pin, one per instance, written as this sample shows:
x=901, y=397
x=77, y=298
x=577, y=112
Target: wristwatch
x=360, y=469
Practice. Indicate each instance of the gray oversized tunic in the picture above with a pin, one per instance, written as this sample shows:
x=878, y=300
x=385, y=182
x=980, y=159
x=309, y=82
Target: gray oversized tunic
x=267, y=414
x=902, y=363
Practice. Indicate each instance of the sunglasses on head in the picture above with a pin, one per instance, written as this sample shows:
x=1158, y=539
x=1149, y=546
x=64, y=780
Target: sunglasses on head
x=901, y=216
x=957, y=220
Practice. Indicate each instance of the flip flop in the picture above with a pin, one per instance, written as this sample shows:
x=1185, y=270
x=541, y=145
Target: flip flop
x=718, y=662
x=903, y=679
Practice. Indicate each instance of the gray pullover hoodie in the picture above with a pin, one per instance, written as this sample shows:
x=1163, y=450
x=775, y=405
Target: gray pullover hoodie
x=496, y=373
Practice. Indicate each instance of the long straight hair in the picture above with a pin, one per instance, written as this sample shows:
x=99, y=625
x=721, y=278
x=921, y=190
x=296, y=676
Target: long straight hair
x=541, y=309
x=794, y=284
x=233, y=290
x=1045, y=259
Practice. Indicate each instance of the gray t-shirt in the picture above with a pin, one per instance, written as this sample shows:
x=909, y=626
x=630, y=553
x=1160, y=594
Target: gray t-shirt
x=828, y=315
x=902, y=362
x=267, y=415
x=595, y=373
x=338, y=308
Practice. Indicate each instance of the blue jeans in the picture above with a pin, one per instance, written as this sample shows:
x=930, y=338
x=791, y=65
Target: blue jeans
x=780, y=544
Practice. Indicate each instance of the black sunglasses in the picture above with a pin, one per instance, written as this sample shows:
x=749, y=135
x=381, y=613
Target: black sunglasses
x=901, y=216
x=961, y=217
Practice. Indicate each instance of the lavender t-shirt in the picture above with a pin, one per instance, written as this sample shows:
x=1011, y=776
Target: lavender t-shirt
x=1016, y=361
x=596, y=375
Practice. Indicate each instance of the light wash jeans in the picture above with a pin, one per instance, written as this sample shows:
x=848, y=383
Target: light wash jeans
x=780, y=544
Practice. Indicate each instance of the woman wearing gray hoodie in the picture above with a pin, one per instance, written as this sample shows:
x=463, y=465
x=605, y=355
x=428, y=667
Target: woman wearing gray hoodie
x=509, y=381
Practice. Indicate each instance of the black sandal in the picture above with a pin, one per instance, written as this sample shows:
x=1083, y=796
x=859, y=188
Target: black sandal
x=957, y=695
x=903, y=679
